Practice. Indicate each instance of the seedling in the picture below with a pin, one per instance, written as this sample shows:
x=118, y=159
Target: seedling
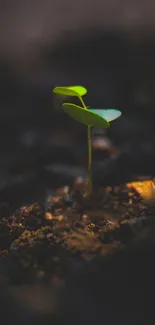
x=88, y=116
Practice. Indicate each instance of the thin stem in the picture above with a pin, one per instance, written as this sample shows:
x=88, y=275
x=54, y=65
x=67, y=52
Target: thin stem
x=89, y=161
x=89, y=153
x=82, y=102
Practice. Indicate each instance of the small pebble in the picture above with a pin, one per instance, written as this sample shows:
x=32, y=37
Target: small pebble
x=48, y=216
x=85, y=217
x=60, y=218
x=66, y=189
x=14, y=246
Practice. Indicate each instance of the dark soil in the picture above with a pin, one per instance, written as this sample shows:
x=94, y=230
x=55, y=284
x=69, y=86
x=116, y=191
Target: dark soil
x=68, y=239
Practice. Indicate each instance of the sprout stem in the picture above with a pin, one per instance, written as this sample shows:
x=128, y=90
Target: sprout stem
x=89, y=161
x=89, y=153
x=82, y=102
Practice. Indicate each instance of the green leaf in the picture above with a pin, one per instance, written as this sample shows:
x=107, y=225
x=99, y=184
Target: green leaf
x=108, y=114
x=70, y=91
x=84, y=116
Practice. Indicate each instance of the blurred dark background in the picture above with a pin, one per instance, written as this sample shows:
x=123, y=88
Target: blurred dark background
x=106, y=46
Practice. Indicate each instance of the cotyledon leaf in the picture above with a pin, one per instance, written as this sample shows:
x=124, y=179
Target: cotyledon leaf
x=70, y=91
x=84, y=116
x=109, y=114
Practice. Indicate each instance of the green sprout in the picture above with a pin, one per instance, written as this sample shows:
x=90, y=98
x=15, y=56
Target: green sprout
x=88, y=116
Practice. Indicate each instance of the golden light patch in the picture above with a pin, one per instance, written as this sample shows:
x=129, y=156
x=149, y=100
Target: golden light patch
x=48, y=216
x=146, y=189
